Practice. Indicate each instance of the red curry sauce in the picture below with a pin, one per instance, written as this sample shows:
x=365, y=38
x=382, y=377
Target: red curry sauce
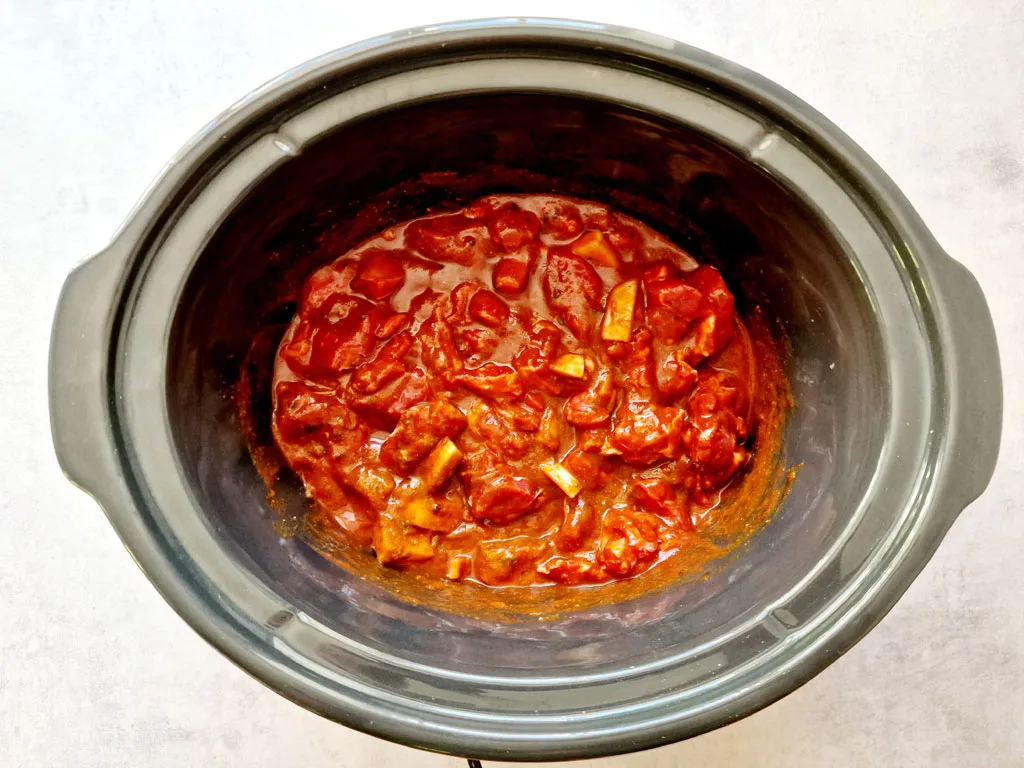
x=531, y=390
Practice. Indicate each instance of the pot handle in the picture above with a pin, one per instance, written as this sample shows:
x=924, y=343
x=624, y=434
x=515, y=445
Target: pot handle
x=975, y=388
x=78, y=366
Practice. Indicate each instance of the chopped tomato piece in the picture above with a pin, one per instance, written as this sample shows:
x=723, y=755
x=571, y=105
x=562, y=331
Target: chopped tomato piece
x=452, y=238
x=461, y=296
x=658, y=496
x=586, y=467
x=392, y=325
x=437, y=347
x=521, y=417
x=573, y=291
x=675, y=375
x=492, y=380
x=593, y=407
x=491, y=429
x=488, y=309
x=628, y=539
x=302, y=410
x=571, y=570
x=578, y=522
x=338, y=344
x=386, y=366
x=625, y=238
x=380, y=274
x=673, y=306
x=535, y=400
x=512, y=274
x=496, y=493
x=476, y=344
x=534, y=370
x=644, y=433
x=324, y=287
x=383, y=408
x=547, y=336
x=697, y=307
x=562, y=220
x=513, y=227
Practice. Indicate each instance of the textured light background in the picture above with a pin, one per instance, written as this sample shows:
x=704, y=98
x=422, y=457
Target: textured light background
x=95, y=95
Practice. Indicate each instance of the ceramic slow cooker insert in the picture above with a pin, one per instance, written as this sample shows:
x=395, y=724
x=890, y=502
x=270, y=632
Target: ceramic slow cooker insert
x=894, y=371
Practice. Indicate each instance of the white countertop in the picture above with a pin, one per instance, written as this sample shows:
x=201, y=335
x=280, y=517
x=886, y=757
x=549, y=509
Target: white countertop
x=96, y=670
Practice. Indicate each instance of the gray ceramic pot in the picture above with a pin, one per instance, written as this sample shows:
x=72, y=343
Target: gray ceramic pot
x=895, y=373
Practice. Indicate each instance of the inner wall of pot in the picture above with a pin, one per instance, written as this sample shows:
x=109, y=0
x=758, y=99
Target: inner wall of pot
x=768, y=245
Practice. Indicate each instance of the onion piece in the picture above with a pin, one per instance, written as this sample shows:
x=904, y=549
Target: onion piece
x=562, y=477
x=596, y=248
x=572, y=366
x=618, y=315
x=439, y=464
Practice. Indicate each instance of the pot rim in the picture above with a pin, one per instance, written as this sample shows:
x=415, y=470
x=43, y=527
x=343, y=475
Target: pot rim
x=971, y=444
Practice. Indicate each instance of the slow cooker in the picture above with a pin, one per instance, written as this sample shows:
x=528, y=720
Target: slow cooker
x=894, y=371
